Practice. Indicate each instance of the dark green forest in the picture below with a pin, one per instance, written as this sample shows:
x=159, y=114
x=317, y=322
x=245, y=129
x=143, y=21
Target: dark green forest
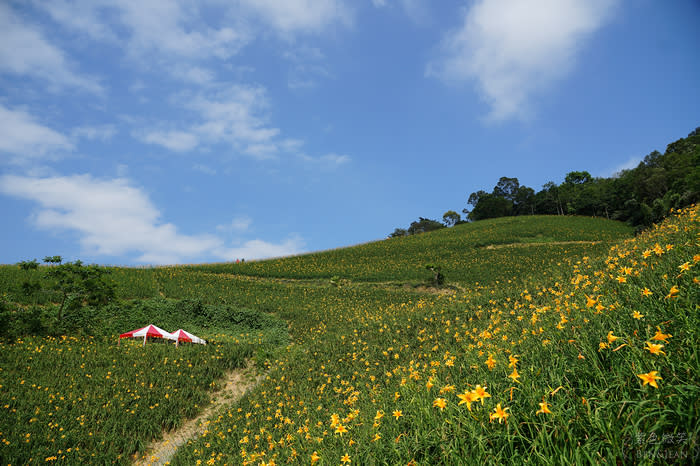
x=639, y=196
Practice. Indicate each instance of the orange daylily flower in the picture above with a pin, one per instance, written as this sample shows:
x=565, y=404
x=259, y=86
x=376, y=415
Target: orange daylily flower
x=673, y=292
x=650, y=378
x=481, y=393
x=544, y=408
x=468, y=398
x=440, y=403
x=654, y=348
x=659, y=336
x=514, y=375
x=499, y=413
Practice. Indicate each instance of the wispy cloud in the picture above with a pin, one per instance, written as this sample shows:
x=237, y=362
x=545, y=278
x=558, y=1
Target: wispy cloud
x=307, y=67
x=237, y=225
x=300, y=16
x=164, y=27
x=417, y=11
x=328, y=161
x=516, y=49
x=235, y=115
x=206, y=169
x=631, y=163
x=97, y=132
x=25, y=51
x=114, y=218
x=23, y=138
x=258, y=249
x=178, y=141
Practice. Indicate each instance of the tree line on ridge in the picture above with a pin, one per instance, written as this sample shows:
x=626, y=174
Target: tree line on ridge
x=639, y=196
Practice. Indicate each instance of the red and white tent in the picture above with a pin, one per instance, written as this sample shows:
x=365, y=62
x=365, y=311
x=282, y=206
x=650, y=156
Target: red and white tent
x=148, y=331
x=182, y=335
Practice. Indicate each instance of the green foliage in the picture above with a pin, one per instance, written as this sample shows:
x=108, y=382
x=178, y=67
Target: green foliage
x=398, y=233
x=424, y=225
x=451, y=218
x=78, y=285
x=640, y=196
x=438, y=279
x=28, y=265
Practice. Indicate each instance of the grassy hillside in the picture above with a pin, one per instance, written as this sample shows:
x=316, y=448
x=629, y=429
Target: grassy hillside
x=545, y=347
x=459, y=250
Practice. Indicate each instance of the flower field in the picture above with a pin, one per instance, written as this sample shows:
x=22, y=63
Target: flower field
x=579, y=348
x=567, y=371
x=459, y=250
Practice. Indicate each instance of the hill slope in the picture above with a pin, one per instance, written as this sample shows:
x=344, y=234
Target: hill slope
x=563, y=341
x=459, y=250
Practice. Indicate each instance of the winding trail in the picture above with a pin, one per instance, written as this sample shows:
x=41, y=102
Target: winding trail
x=238, y=382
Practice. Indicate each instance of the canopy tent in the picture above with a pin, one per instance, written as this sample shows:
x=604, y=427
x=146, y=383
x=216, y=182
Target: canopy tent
x=182, y=335
x=147, y=331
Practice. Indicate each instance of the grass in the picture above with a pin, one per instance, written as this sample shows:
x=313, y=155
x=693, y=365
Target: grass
x=374, y=373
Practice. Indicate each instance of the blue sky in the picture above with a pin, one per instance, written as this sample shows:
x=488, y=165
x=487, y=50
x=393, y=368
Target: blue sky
x=159, y=132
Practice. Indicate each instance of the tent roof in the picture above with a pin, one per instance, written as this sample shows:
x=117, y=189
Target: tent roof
x=183, y=335
x=147, y=331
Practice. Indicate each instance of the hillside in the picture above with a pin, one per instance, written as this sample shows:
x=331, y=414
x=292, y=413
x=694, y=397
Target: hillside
x=464, y=252
x=556, y=339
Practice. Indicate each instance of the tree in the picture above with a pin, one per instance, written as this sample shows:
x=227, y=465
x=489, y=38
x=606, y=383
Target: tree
x=524, y=202
x=506, y=188
x=474, y=197
x=578, y=177
x=451, y=218
x=399, y=232
x=424, y=225
x=78, y=285
x=28, y=265
x=491, y=206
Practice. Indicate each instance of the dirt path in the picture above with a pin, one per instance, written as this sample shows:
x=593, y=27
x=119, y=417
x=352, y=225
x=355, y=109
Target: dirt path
x=238, y=381
x=543, y=243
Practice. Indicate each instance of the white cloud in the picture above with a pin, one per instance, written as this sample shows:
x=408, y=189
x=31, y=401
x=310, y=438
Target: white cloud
x=207, y=170
x=328, y=161
x=24, y=138
x=300, y=16
x=113, y=218
x=166, y=27
x=238, y=225
x=335, y=159
x=176, y=28
x=258, y=249
x=306, y=67
x=178, y=141
x=24, y=51
x=193, y=74
x=235, y=116
x=101, y=132
x=631, y=163
x=417, y=11
x=78, y=15
x=516, y=49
